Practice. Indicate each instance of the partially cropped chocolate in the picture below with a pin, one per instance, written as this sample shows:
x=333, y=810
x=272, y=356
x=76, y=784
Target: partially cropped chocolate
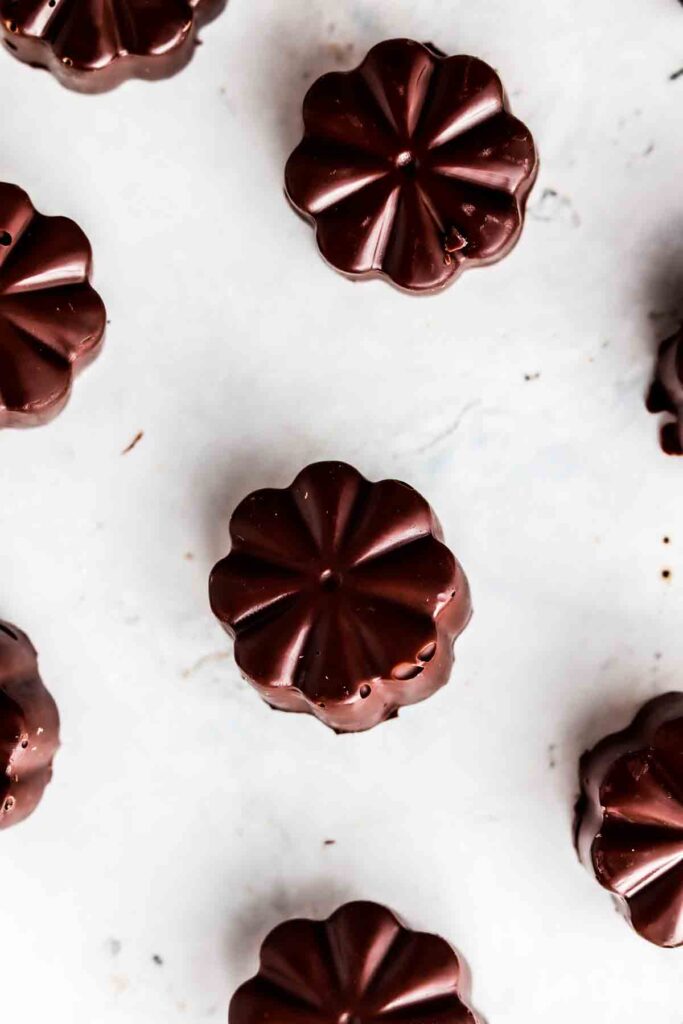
x=666, y=393
x=93, y=47
x=412, y=167
x=29, y=728
x=360, y=965
x=51, y=320
x=629, y=825
x=343, y=601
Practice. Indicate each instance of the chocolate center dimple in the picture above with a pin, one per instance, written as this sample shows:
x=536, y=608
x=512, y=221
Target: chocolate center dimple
x=329, y=582
x=407, y=162
x=5, y=237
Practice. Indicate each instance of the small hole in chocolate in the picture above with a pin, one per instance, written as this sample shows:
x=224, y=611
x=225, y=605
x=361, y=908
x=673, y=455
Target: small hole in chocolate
x=24, y=744
x=12, y=26
x=52, y=3
x=68, y=62
x=427, y=652
x=8, y=632
x=9, y=804
x=365, y=691
x=5, y=238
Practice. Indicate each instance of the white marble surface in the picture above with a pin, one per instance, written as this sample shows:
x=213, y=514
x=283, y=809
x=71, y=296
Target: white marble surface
x=185, y=818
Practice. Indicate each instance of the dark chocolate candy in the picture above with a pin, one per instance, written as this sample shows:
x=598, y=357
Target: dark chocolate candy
x=412, y=167
x=342, y=598
x=94, y=45
x=666, y=393
x=51, y=321
x=360, y=965
x=29, y=728
x=629, y=825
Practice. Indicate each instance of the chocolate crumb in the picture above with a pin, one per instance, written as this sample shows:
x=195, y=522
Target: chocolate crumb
x=136, y=440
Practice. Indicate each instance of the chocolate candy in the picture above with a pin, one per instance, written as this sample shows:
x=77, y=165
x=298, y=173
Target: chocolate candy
x=342, y=599
x=629, y=824
x=361, y=964
x=411, y=167
x=666, y=393
x=93, y=46
x=29, y=728
x=51, y=321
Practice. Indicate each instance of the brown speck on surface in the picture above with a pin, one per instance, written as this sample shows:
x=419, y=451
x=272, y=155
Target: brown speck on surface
x=552, y=760
x=341, y=53
x=136, y=440
x=666, y=540
x=205, y=660
x=188, y=556
x=531, y=376
x=329, y=842
x=113, y=947
x=676, y=74
x=156, y=959
x=666, y=574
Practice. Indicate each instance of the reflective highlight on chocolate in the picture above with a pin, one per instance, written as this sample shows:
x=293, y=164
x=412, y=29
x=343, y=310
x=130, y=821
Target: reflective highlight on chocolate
x=666, y=393
x=360, y=965
x=29, y=728
x=342, y=599
x=94, y=45
x=629, y=824
x=412, y=167
x=51, y=320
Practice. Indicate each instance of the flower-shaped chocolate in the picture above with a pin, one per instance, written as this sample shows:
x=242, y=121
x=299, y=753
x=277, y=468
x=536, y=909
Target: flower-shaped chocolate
x=361, y=965
x=51, y=320
x=29, y=728
x=412, y=166
x=93, y=47
x=630, y=819
x=341, y=597
x=666, y=393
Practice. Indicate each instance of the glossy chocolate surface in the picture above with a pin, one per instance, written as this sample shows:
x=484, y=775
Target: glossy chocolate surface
x=666, y=393
x=94, y=45
x=343, y=601
x=359, y=965
x=29, y=728
x=630, y=819
x=51, y=320
x=412, y=167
